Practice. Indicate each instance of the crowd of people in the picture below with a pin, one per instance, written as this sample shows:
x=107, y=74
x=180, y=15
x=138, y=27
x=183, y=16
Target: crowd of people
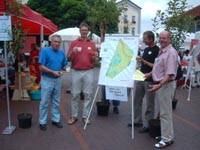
x=158, y=64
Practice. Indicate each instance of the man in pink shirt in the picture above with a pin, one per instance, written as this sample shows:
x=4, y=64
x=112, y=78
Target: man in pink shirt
x=164, y=73
x=82, y=54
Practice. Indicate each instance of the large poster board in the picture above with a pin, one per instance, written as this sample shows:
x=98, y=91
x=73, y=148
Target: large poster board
x=118, y=64
x=5, y=28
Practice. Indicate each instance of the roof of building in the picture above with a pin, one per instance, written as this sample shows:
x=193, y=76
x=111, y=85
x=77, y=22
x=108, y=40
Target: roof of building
x=128, y=1
x=194, y=12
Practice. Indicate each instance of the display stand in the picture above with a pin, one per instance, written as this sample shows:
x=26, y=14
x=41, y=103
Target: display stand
x=123, y=47
x=189, y=75
x=92, y=105
x=10, y=129
x=6, y=35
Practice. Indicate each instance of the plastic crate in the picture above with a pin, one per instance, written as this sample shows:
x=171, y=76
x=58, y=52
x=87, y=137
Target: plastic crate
x=35, y=94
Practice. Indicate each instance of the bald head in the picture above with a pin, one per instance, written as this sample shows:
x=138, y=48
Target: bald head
x=164, y=39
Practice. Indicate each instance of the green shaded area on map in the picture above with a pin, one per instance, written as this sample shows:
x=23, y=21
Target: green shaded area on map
x=120, y=60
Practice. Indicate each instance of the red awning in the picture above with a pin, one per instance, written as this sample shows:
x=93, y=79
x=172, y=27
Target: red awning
x=33, y=23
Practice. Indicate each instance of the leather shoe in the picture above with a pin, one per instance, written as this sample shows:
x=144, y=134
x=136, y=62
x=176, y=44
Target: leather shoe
x=57, y=124
x=144, y=130
x=116, y=110
x=43, y=127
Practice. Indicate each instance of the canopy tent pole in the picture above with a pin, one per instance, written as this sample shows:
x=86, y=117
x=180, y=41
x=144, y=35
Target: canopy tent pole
x=41, y=35
x=10, y=128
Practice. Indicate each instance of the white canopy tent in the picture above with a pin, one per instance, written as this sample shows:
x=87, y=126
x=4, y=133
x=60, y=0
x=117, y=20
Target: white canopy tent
x=70, y=34
x=67, y=35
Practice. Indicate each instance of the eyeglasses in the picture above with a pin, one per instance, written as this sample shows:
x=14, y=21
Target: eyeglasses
x=84, y=29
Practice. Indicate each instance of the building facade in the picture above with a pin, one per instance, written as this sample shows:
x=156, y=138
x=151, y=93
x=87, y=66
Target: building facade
x=130, y=18
x=195, y=12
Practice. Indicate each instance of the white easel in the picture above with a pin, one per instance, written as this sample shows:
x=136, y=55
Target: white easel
x=132, y=110
x=110, y=40
x=189, y=75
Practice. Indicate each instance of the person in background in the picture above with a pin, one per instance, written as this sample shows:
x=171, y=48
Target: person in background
x=26, y=58
x=33, y=71
x=51, y=82
x=11, y=57
x=164, y=73
x=116, y=103
x=82, y=54
x=34, y=54
x=186, y=55
x=141, y=87
x=195, y=53
x=196, y=80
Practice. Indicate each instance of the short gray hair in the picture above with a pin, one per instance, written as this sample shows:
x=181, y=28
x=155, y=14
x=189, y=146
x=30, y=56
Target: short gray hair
x=55, y=35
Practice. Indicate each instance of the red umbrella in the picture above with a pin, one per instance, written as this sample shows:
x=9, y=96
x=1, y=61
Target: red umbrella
x=33, y=23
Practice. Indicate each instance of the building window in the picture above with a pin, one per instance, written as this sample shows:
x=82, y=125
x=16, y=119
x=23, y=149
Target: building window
x=133, y=19
x=198, y=24
x=125, y=29
x=125, y=19
x=133, y=31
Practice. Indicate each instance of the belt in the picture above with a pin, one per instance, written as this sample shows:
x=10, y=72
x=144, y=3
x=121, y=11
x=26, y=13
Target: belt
x=157, y=82
x=82, y=69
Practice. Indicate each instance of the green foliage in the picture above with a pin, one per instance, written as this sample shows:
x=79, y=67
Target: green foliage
x=174, y=20
x=17, y=32
x=49, y=9
x=70, y=13
x=103, y=11
x=74, y=12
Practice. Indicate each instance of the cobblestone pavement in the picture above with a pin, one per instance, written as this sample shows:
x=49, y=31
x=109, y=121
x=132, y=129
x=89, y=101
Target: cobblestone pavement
x=104, y=133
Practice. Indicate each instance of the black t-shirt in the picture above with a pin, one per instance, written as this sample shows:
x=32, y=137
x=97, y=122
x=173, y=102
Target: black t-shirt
x=150, y=53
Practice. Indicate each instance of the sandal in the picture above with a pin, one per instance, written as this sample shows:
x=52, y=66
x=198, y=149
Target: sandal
x=72, y=120
x=163, y=144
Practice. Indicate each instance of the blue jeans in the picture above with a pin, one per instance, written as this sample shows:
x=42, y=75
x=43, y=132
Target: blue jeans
x=115, y=103
x=50, y=90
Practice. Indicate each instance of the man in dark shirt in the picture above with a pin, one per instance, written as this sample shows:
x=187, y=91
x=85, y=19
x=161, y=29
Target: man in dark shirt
x=141, y=87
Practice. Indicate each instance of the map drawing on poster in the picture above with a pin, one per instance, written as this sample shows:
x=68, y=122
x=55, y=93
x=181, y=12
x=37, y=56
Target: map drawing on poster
x=118, y=64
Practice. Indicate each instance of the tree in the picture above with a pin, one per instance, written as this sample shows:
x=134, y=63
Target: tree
x=70, y=13
x=17, y=32
x=103, y=12
x=49, y=9
x=175, y=21
x=74, y=12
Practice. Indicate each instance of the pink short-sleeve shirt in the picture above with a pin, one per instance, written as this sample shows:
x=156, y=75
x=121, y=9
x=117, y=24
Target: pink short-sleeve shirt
x=165, y=64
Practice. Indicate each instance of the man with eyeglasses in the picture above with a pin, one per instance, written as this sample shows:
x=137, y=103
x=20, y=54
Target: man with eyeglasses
x=141, y=87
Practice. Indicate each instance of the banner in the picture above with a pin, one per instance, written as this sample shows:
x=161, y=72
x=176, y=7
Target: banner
x=5, y=28
x=193, y=43
x=118, y=63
